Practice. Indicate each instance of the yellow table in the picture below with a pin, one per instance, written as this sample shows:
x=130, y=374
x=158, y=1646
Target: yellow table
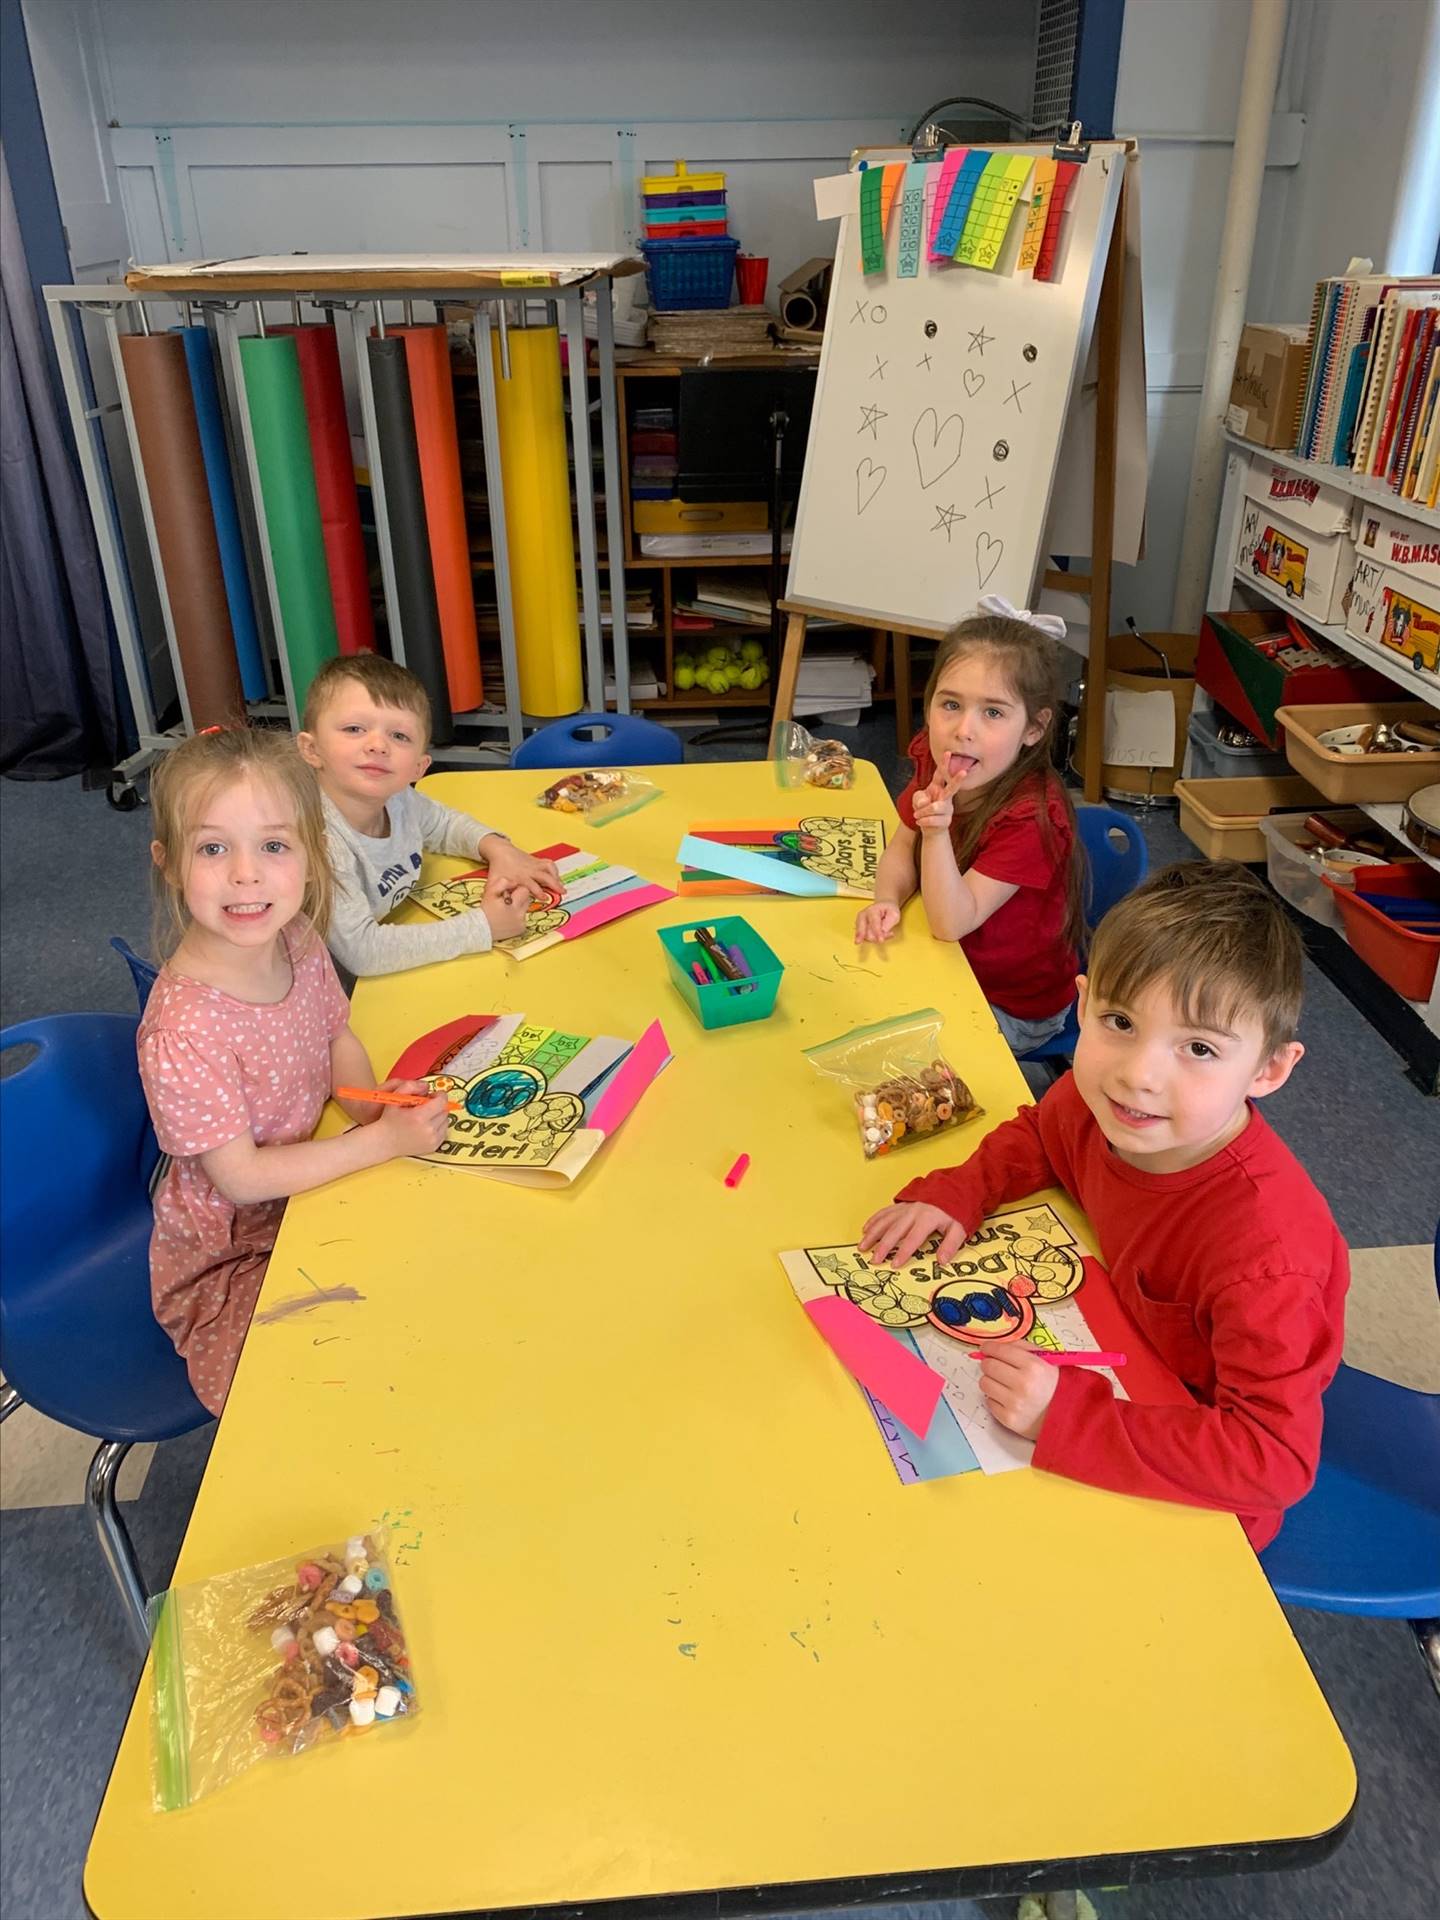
x=676, y=1624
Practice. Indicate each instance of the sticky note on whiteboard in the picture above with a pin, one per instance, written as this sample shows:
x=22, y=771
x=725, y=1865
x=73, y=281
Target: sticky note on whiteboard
x=1139, y=728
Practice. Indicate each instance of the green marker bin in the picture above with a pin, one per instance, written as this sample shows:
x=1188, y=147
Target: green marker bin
x=719, y=1004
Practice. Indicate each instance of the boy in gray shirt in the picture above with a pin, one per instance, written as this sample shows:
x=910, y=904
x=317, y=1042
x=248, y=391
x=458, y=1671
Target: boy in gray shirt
x=365, y=730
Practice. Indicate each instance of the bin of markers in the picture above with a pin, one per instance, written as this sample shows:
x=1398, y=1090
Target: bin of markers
x=721, y=1003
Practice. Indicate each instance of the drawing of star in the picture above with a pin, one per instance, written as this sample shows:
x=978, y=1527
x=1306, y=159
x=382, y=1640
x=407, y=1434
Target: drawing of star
x=924, y=361
x=870, y=418
x=880, y=366
x=1014, y=395
x=945, y=518
x=1040, y=1222
x=990, y=496
x=979, y=340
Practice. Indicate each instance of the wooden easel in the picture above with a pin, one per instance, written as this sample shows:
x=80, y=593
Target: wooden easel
x=1095, y=585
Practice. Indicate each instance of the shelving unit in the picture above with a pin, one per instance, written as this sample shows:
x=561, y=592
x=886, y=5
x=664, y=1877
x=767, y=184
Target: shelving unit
x=1412, y=1027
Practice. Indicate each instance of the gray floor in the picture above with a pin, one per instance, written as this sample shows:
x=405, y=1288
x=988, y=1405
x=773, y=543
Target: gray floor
x=73, y=871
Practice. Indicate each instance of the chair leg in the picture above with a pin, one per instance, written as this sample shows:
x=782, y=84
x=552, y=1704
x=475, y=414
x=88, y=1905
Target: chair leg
x=114, y=1536
x=9, y=1400
x=1427, y=1633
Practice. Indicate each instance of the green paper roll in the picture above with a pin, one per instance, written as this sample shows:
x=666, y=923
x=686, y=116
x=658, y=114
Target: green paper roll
x=276, y=402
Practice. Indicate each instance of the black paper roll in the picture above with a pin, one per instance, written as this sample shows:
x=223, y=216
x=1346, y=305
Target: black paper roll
x=409, y=531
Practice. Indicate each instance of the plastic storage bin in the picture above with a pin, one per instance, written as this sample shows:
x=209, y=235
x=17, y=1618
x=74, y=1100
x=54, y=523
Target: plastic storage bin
x=1351, y=777
x=1210, y=760
x=719, y=1004
x=1405, y=961
x=1222, y=817
x=689, y=273
x=1297, y=872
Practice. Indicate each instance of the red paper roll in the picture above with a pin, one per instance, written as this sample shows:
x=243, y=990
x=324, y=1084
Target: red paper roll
x=427, y=359
x=325, y=417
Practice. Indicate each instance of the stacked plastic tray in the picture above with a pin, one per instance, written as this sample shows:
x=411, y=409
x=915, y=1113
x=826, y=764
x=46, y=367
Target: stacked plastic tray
x=687, y=247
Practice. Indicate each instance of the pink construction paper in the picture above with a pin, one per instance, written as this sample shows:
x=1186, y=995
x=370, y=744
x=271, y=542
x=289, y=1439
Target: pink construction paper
x=909, y=1388
x=641, y=1064
x=588, y=918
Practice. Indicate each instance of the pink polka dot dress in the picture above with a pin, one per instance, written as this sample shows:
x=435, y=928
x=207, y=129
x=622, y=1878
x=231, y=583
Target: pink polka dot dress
x=214, y=1067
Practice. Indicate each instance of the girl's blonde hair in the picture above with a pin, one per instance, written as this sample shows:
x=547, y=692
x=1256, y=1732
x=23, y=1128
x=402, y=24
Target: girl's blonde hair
x=1032, y=663
x=207, y=764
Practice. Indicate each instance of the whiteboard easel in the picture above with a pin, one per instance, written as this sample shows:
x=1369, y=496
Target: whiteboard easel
x=1095, y=585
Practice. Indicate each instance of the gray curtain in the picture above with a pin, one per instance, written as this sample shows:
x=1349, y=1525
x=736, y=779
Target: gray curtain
x=58, y=708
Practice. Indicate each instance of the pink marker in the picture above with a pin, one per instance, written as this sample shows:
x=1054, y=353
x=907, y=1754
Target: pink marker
x=738, y=1171
x=1075, y=1357
x=698, y=969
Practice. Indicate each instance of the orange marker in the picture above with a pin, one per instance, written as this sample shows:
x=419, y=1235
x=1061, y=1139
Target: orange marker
x=383, y=1097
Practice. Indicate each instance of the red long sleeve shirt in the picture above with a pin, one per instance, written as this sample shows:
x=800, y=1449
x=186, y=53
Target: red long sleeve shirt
x=1233, y=1271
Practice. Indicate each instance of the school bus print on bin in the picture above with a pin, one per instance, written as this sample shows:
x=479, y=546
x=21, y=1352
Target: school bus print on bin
x=1412, y=629
x=1281, y=560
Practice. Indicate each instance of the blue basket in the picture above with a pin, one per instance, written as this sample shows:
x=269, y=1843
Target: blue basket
x=690, y=273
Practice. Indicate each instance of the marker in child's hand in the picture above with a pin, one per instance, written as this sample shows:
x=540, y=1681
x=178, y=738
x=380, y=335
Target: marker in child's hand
x=1072, y=1357
x=385, y=1097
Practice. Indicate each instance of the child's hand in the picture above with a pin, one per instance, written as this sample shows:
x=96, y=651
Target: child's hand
x=503, y=903
x=891, y=1236
x=876, y=922
x=1018, y=1387
x=934, y=807
x=411, y=1130
x=510, y=865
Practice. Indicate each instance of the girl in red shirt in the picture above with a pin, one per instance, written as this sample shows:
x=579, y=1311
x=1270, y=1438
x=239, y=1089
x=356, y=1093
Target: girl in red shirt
x=987, y=828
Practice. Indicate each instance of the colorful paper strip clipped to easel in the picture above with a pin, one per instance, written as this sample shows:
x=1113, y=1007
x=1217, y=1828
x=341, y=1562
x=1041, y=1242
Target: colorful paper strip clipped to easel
x=1035, y=220
x=533, y=1105
x=912, y=218
x=1065, y=172
x=993, y=209
x=608, y=893
x=957, y=208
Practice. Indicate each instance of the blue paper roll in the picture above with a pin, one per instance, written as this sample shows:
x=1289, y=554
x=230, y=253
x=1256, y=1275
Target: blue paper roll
x=205, y=389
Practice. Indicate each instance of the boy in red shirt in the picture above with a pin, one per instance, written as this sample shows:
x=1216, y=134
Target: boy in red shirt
x=1218, y=1246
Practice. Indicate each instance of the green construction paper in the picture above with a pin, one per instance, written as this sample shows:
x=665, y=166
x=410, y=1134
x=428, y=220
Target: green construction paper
x=872, y=227
x=276, y=404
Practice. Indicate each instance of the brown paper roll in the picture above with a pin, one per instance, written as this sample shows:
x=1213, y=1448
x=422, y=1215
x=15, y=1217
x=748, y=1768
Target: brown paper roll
x=170, y=451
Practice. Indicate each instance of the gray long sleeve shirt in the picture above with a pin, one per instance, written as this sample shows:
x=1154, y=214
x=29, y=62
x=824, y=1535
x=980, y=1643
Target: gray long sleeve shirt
x=373, y=876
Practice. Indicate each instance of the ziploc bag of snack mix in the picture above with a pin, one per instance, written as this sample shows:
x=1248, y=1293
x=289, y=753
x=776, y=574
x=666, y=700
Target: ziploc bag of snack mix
x=601, y=795
x=901, y=1086
x=271, y=1660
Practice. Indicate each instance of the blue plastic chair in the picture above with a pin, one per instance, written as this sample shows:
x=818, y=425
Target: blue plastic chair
x=629, y=741
x=78, y=1340
x=1116, y=859
x=141, y=971
x=1366, y=1538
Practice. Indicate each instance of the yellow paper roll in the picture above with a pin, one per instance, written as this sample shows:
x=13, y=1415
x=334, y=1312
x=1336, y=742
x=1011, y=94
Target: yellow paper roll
x=537, y=520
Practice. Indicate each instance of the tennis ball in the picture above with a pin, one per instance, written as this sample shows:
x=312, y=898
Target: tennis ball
x=684, y=660
x=750, y=678
x=752, y=650
x=684, y=677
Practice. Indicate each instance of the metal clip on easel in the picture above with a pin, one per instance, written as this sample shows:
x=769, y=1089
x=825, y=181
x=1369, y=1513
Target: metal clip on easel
x=1074, y=148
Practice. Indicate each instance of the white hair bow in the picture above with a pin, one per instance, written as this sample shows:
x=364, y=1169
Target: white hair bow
x=1047, y=623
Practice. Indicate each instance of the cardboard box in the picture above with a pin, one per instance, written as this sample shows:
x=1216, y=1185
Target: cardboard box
x=1309, y=570
x=1308, y=502
x=1242, y=674
x=1265, y=393
x=1399, y=616
x=1407, y=546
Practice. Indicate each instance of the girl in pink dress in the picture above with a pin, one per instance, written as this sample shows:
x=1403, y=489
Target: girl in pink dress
x=245, y=1037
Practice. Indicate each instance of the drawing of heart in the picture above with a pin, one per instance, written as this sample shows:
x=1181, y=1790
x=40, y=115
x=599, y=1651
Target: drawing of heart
x=987, y=555
x=973, y=381
x=937, y=445
x=868, y=481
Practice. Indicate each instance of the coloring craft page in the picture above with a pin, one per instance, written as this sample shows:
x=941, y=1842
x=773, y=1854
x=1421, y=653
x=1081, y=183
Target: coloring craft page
x=1014, y=1279
x=946, y=379
x=595, y=893
x=843, y=850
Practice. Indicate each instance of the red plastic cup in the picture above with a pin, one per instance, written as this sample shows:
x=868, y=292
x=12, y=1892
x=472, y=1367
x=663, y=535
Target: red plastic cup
x=752, y=271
